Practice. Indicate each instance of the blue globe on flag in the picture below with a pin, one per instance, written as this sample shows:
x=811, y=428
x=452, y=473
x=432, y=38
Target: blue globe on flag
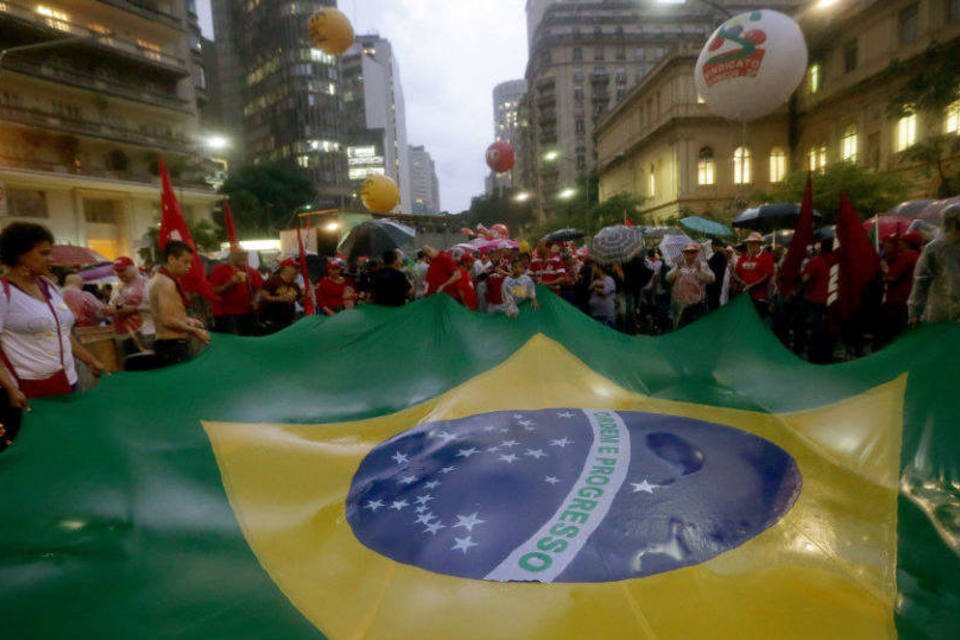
x=568, y=495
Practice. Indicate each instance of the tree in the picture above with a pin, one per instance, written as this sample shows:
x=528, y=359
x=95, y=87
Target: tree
x=206, y=236
x=930, y=91
x=264, y=198
x=871, y=193
x=500, y=206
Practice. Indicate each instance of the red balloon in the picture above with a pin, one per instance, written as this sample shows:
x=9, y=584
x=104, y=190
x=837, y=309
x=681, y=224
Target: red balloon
x=500, y=156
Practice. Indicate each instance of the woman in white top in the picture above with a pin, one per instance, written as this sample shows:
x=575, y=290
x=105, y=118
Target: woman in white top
x=36, y=343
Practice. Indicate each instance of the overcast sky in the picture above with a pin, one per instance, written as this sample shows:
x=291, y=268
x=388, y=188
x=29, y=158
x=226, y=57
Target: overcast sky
x=451, y=55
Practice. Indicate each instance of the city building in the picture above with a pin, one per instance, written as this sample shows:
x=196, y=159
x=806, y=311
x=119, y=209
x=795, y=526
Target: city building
x=92, y=96
x=374, y=116
x=425, y=188
x=663, y=144
x=508, y=127
x=280, y=96
x=585, y=55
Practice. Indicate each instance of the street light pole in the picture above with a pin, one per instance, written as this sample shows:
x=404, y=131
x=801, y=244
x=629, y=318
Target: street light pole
x=50, y=44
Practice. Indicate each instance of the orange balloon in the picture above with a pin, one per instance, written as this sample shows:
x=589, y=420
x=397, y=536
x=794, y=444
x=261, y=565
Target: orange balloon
x=379, y=194
x=330, y=31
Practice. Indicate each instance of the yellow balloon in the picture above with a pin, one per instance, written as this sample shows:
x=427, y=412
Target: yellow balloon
x=380, y=194
x=330, y=31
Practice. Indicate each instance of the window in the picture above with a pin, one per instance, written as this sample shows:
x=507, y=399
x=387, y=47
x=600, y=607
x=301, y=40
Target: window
x=578, y=54
x=100, y=211
x=817, y=158
x=909, y=23
x=578, y=94
x=581, y=162
x=952, y=123
x=778, y=164
x=621, y=53
x=813, y=78
x=653, y=181
x=741, y=166
x=700, y=99
x=906, y=132
x=578, y=75
x=953, y=10
x=579, y=125
x=706, y=167
x=849, y=144
x=851, y=52
x=22, y=203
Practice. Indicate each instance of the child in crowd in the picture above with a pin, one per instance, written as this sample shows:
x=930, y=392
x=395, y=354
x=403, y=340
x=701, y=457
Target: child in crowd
x=518, y=288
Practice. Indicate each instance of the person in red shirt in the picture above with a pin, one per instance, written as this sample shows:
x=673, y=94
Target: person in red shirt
x=237, y=284
x=897, y=264
x=755, y=270
x=335, y=292
x=87, y=309
x=816, y=282
x=443, y=273
x=466, y=291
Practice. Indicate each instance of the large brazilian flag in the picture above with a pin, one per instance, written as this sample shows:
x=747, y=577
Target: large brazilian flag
x=427, y=472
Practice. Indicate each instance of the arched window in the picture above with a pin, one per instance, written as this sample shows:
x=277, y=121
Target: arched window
x=706, y=167
x=849, y=144
x=653, y=181
x=741, y=166
x=952, y=124
x=906, y=131
x=778, y=164
x=817, y=158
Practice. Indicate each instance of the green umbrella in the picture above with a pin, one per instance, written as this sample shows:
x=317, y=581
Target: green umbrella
x=696, y=224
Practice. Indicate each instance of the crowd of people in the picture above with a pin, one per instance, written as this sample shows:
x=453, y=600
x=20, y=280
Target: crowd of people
x=155, y=322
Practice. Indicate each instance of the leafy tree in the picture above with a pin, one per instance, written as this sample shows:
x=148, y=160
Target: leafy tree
x=205, y=235
x=501, y=206
x=871, y=193
x=931, y=154
x=263, y=198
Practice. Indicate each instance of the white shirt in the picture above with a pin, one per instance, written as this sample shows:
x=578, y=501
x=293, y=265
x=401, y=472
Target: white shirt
x=29, y=335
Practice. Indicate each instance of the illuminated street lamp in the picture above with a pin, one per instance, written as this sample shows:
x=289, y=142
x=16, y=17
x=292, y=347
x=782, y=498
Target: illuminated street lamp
x=567, y=193
x=551, y=156
x=331, y=227
x=825, y=4
x=523, y=196
x=216, y=142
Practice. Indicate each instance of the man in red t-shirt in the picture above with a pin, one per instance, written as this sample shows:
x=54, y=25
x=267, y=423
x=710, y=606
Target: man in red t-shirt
x=755, y=271
x=816, y=282
x=897, y=264
x=443, y=273
x=237, y=284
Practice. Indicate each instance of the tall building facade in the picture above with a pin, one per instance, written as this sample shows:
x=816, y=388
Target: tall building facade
x=508, y=127
x=374, y=115
x=280, y=96
x=584, y=57
x=425, y=188
x=85, y=119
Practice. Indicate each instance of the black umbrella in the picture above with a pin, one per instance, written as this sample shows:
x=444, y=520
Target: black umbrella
x=770, y=217
x=562, y=235
x=824, y=233
x=372, y=238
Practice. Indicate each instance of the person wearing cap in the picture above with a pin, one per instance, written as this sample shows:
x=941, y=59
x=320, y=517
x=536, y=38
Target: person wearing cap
x=237, y=284
x=936, y=279
x=334, y=291
x=133, y=324
x=689, y=278
x=86, y=307
x=278, y=298
x=755, y=271
x=897, y=264
x=443, y=273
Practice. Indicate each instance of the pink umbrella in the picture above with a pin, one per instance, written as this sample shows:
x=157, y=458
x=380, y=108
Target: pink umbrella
x=887, y=225
x=934, y=211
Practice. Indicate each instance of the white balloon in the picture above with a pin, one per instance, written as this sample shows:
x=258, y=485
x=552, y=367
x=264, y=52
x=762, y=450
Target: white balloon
x=751, y=65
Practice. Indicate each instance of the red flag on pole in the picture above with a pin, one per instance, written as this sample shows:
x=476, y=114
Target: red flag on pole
x=788, y=279
x=173, y=226
x=231, y=228
x=857, y=260
x=309, y=296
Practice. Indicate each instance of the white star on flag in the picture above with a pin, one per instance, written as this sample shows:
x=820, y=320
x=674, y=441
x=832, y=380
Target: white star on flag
x=446, y=437
x=469, y=522
x=408, y=480
x=565, y=414
x=399, y=504
x=424, y=499
x=535, y=453
x=509, y=443
x=399, y=457
x=528, y=428
x=433, y=528
x=509, y=458
x=463, y=544
x=644, y=486
x=551, y=480
x=493, y=449
x=466, y=453
x=447, y=469
x=425, y=518
x=489, y=428
x=524, y=423
x=518, y=416
x=373, y=505
x=422, y=508
x=433, y=484
x=560, y=443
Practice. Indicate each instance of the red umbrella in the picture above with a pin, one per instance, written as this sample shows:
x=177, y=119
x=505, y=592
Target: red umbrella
x=887, y=225
x=933, y=213
x=67, y=255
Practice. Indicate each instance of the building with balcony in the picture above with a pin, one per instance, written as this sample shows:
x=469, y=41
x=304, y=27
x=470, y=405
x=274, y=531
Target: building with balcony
x=663, y=144
x=279, y=96
x=84, y=121
x=508, y=127
x=425, y=188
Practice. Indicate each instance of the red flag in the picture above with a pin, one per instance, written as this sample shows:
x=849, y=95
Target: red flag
x=309, y=296
x=788, y=279
x=173, y=226
x=231, y=228
x=857, y=260
x=629, y=222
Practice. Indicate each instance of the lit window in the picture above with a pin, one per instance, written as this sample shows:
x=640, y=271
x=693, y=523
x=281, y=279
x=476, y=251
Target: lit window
x=817, y=158
x=953, y=118
x=813, y=78
x=706, y=167
x=55, y=18
x=906, y=131
x=778, y=164
x=700, y=99
x=653, y=181
x=741, y=166
x=848, y=144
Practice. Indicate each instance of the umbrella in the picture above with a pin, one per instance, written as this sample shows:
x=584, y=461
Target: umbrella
x=376, y=236
x=779, y=237
x=67, y=255
x=886, y=225
x=769, y=217
x=618, y=243
x=696, y=224
x=98, y=274
x=823, y=233
x=562, y=235
x=910, y=209
x=933, y=213
x=672, y=246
